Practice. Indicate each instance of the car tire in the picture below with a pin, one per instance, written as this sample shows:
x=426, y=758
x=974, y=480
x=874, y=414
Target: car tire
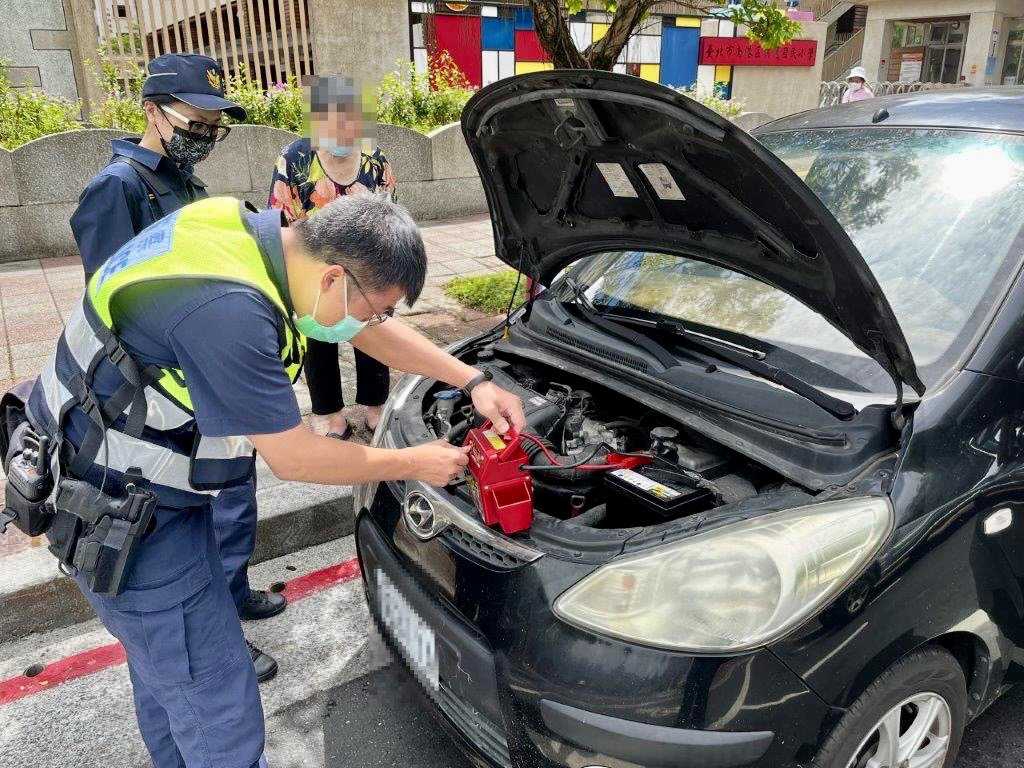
x=925, y=691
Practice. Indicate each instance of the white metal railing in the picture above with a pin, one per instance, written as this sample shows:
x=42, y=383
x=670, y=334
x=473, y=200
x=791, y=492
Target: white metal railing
x=270, y=38
x=831, y=93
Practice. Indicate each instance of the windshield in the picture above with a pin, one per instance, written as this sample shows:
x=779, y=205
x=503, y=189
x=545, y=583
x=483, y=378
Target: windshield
x=937, y=215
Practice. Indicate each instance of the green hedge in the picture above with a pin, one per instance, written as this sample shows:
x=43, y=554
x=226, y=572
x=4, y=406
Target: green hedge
x=487, y=293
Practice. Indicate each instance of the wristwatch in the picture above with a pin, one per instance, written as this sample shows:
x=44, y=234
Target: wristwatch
x=475, y=382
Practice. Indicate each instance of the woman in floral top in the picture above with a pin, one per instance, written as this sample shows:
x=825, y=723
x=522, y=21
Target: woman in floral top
x=308, y=175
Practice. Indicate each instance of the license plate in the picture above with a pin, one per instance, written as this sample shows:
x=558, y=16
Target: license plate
x=415, y=639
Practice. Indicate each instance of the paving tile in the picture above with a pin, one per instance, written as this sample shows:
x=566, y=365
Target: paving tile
x=62, y=261
x=18, y=266
x=37, y=332
x=465, y=266
x=25, y=369
x=21, y=300
x=40, y=308
x=29, y=349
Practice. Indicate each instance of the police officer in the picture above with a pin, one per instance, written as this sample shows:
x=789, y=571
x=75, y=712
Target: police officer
x=180, y=360
x=145, y=180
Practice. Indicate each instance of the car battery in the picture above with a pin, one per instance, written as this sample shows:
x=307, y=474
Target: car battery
x=503, y=491
x=662, y=492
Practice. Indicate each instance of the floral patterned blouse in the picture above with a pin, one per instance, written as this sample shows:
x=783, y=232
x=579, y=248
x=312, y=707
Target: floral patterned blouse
x=301, y=187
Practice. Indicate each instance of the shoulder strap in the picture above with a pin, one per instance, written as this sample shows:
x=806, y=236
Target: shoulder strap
x=155, y=186
x=153, y=182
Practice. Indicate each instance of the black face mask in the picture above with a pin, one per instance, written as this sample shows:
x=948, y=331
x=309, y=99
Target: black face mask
x=186, y=148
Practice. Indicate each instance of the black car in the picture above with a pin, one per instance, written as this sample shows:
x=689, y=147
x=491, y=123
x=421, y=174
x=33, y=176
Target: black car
x=816, y=338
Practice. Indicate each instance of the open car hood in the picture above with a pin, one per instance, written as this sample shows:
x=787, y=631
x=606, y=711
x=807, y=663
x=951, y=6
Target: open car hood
x=575, y=162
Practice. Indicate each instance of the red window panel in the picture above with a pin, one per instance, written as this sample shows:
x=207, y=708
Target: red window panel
x=528, y=47
x=460, y=36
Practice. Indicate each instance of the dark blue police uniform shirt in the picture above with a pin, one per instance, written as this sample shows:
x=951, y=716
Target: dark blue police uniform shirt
x=115, y=206
x=225, y=339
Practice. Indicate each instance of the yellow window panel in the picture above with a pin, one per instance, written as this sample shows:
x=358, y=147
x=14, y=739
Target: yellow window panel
x=525, y=67
x=650, y=72
x=723, y=74
x=687, y=21
x=599, y=30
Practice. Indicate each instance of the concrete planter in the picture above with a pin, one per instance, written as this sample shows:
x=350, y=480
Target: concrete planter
x=40, y=181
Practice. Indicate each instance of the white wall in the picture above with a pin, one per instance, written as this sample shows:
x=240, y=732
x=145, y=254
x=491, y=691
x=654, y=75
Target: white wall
x=782, y=91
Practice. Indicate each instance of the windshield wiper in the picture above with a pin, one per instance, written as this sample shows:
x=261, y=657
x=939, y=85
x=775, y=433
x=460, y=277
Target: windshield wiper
x=746, y=359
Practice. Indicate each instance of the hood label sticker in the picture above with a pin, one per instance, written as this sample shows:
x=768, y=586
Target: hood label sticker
x=617, y=180
x=660, y=178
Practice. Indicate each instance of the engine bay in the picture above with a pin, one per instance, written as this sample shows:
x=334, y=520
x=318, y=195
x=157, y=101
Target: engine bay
x=587, y=455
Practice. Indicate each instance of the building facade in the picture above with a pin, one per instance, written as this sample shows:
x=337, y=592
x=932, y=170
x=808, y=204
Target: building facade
x=493, y=41
x=973, y=42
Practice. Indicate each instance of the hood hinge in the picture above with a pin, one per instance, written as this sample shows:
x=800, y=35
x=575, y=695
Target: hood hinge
x=899, y=420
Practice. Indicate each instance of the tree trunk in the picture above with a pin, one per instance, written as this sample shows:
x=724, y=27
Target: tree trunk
x=629, y=13
x=553, y=30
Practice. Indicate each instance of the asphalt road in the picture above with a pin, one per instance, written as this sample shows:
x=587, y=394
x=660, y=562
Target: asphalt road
x=339, y=701
x=376, y=721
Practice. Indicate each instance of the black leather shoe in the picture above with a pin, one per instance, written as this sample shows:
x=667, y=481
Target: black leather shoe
x=265, y=665
x=262, y=605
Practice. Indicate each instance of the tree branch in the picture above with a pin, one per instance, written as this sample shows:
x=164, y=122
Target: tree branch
x=553, y=30
x=628, y=15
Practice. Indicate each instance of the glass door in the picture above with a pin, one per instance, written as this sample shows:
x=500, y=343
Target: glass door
x=1012, y=74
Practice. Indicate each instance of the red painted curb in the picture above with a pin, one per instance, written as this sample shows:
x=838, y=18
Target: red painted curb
x=103, y=657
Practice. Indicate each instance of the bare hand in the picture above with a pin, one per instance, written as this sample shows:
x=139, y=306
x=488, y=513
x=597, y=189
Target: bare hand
x=438, y=463
x=503, y=408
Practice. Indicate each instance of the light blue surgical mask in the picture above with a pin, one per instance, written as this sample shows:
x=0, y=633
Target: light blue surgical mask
x=333, y=148
x=344, y=330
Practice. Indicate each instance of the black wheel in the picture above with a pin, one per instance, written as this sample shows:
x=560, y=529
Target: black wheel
x=913, y=716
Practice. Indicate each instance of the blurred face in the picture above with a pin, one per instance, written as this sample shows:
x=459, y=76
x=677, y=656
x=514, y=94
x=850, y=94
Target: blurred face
x=340, y=124
x=856, y=82
x=339, y=117
x=341, y=294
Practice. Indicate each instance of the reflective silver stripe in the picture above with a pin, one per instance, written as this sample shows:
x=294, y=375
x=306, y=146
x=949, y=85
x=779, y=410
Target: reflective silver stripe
x=159, y=465
x=80, y=338
x=162, y=413
x=223, y=447
x=55, y=393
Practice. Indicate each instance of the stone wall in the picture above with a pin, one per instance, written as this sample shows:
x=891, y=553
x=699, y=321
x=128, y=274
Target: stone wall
x=782, y=91
x=40, y=181
x=44, y=43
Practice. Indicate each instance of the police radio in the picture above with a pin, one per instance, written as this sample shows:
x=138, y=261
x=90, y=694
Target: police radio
x=29, y=483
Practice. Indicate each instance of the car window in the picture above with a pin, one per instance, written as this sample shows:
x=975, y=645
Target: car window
x=937, y=215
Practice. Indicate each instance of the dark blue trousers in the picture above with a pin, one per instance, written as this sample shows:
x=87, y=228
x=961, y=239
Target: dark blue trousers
x=194, y=685
x=234, y=522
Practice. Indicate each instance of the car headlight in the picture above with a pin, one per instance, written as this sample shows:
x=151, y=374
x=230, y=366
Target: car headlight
x=734, y=588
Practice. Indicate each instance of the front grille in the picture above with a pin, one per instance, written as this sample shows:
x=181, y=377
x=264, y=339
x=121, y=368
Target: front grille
x=468, y=543
x=629, y=361
x=485, y=735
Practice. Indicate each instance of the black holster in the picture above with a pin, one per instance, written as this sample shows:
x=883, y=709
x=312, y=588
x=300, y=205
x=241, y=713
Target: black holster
x=95, y=535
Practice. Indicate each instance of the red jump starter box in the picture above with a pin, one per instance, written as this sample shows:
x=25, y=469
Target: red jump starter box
x=504, y=492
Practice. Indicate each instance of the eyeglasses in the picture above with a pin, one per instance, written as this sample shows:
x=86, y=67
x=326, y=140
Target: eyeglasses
x=377, y=317
x=206, y=130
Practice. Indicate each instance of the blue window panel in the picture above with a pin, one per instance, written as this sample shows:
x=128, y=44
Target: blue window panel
x=524, y=18
x=499, y=35
x=680, y=47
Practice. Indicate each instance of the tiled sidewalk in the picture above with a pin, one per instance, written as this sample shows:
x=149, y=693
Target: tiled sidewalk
x=37, y=296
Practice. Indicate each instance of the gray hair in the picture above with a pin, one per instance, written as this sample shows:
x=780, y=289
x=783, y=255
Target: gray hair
x=373, y=238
